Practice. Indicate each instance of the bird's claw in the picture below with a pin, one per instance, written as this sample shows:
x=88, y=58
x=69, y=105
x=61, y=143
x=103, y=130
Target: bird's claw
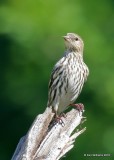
x=79, y=107
x=58, y=119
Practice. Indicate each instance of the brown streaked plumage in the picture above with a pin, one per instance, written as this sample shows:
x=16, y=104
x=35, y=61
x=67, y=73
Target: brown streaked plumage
x=68, y=75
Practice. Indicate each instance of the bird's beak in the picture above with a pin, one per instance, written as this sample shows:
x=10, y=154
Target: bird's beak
x=66, y=38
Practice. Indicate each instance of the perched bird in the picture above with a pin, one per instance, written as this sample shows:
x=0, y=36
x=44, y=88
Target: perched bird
x=68, y=75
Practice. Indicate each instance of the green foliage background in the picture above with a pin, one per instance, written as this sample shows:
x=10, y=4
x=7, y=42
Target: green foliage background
x=31, y=43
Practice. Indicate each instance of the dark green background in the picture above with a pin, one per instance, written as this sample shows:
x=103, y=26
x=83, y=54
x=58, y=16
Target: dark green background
x=30, y=44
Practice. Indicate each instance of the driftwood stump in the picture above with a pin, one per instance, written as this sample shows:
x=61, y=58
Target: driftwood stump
x=48, y=140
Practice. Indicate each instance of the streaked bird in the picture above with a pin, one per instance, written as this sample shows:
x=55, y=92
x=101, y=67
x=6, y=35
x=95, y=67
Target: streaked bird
x=68, y=76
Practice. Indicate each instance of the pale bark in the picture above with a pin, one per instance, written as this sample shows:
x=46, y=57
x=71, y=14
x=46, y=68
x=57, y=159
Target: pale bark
x=47, y=139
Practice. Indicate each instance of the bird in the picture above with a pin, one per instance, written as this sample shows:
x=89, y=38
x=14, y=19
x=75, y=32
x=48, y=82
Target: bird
x=68, y=75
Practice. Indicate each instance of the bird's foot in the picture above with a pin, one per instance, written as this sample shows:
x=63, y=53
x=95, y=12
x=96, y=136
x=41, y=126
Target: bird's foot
x=58, y=118
x=79, y=107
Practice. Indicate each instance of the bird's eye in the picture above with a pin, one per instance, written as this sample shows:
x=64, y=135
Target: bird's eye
x=76, y=39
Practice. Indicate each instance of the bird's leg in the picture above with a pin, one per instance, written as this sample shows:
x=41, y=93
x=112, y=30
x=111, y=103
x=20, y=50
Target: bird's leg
x=58, y=118
x=79, y=107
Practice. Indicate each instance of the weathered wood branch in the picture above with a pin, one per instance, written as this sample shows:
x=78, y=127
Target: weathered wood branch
x=48, y=140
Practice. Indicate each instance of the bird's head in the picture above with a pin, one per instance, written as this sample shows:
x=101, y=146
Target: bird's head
x=73, y=42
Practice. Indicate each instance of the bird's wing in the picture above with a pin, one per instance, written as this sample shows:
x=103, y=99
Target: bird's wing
x=57, y=72
x=55, y=80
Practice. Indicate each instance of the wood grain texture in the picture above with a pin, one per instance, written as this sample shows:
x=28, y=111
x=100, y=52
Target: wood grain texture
x=47, y=139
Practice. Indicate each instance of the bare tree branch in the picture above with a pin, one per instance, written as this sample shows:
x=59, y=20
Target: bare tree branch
x=48, y=140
